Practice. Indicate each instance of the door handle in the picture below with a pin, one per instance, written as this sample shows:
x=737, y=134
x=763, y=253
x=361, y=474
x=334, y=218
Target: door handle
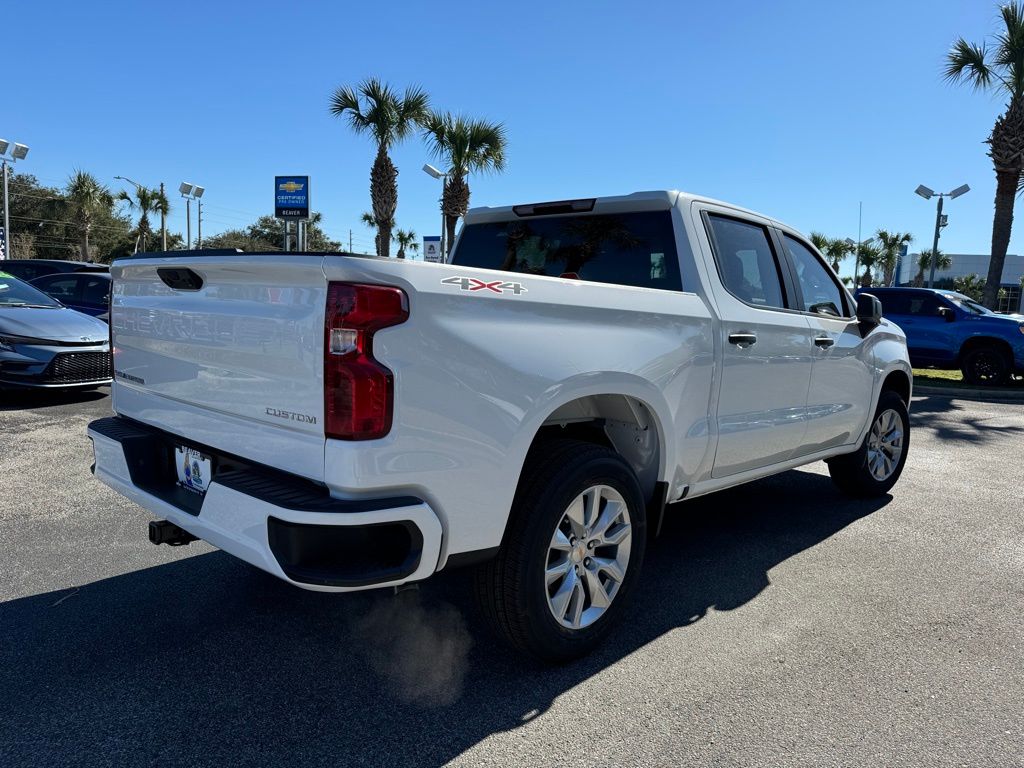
x=824, y=341
x=743, y=340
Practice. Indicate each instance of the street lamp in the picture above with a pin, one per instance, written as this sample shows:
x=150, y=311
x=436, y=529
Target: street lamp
x=192, y=192
x=19, y=152
x=855, y=247
x=432, y=171
x=928, y=194
x=163, y=214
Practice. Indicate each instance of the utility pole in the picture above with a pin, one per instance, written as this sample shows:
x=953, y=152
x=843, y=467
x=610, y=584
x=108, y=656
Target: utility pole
x=7, y=216
x=350, y=241
x=199, y=224
x=163, y=219
x=188, y=218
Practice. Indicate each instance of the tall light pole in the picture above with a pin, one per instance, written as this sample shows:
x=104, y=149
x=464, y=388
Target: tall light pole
x=19, y=152
x=928, y=194
x=192, y=192
x=432, y=171
x=163, y=213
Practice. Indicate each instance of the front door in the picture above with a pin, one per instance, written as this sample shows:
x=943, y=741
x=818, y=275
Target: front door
x=842, y=379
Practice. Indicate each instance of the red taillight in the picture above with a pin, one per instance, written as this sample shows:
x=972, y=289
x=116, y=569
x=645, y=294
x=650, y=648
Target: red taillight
x=358, y=391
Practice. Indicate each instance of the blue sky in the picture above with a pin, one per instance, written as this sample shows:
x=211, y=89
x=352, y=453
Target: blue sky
x=798, y=109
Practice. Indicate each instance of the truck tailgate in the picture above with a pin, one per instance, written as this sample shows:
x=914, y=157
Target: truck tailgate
x=236, y=364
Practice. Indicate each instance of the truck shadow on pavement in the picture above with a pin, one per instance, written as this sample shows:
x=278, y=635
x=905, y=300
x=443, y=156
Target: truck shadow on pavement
x=206, y=661
x=30, y=399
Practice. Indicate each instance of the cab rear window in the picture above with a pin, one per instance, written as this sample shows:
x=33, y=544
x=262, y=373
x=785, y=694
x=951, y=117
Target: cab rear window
x=635, y=249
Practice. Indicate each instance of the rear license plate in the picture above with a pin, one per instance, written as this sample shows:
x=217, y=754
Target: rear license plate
x=194, y=469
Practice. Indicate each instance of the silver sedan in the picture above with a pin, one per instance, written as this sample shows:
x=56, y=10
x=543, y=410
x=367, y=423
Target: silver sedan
x=45, y=344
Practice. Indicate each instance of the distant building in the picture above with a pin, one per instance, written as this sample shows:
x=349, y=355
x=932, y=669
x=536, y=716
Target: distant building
x=970, y=264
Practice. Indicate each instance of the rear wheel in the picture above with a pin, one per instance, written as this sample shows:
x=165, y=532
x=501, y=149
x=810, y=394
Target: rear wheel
x=874, y=468
x=571, y=554
x=986, y=365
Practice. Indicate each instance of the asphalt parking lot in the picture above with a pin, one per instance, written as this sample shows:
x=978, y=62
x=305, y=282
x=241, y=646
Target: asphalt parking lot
x=779, y=624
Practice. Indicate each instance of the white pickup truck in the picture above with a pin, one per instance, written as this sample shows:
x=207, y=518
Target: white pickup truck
x=349, y=422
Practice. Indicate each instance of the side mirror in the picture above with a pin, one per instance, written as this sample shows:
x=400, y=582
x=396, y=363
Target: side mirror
x=869, y=312
x=947, y=314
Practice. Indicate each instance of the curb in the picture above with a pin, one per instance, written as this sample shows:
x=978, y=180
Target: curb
x=968, y=393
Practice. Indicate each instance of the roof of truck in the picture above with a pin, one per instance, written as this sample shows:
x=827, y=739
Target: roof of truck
x=636, y=201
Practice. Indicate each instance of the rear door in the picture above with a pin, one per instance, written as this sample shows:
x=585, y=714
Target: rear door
x=766, y=366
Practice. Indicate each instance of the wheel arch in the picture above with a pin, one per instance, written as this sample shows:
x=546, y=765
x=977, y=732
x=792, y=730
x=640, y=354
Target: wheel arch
x=623, y=412
x=978, y=342
x=898, y=381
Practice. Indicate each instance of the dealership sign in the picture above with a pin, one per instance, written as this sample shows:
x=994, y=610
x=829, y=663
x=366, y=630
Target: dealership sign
x=432, y=248
x=291, y=197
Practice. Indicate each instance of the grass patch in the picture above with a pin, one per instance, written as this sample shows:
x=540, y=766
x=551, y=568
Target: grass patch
x=955, y=380
x=930, y=375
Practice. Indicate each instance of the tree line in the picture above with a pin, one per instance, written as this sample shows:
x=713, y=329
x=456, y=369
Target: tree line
x=81, y=220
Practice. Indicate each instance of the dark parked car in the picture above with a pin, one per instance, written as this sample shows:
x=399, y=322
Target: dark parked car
x=948, y=330
x=88, y=292
x=30, y=269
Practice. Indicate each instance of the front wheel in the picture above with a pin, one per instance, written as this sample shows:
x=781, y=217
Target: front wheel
x=571, y=554
x=874, y=468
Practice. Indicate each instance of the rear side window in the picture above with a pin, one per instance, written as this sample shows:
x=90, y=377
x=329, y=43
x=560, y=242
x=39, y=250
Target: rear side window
x=747, y=262
x=635, y=249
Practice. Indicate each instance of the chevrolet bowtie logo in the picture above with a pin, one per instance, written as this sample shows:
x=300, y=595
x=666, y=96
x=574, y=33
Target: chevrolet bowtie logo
x=291, y=186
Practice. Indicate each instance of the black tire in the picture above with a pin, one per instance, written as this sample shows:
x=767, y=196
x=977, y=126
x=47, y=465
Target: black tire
x=511, y=588
x=851, y=472
x=986, y=365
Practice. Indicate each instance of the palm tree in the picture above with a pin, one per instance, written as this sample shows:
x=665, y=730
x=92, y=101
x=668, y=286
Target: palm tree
x=998, y=67
x=834, y=249
x=890, y=244
x=87, y=198
x=869, y=254
x=375, y=108
x=405, y=239
x=465, y=146
x=147, y=201
x=924, y=262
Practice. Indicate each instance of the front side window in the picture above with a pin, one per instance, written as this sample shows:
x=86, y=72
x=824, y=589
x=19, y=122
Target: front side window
x=924, y=305
x=624, y=249
x=746, y=262
x=61, y=287
x=821, y=295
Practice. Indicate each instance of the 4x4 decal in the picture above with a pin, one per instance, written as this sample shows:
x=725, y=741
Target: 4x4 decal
x=496, y=286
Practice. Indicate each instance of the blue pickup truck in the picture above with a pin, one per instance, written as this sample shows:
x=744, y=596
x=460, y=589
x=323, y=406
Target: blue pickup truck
x=948, y=330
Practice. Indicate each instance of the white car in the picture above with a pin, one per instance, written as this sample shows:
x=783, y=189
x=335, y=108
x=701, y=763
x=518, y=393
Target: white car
x=529, y=408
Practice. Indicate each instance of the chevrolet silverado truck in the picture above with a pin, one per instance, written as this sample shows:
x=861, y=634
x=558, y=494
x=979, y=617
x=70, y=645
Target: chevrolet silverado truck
x=528, y=408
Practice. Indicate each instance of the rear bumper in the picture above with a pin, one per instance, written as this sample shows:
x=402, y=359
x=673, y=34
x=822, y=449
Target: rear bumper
x=286, y=526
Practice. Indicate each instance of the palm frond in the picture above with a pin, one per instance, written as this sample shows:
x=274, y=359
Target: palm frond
x=966, y=62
